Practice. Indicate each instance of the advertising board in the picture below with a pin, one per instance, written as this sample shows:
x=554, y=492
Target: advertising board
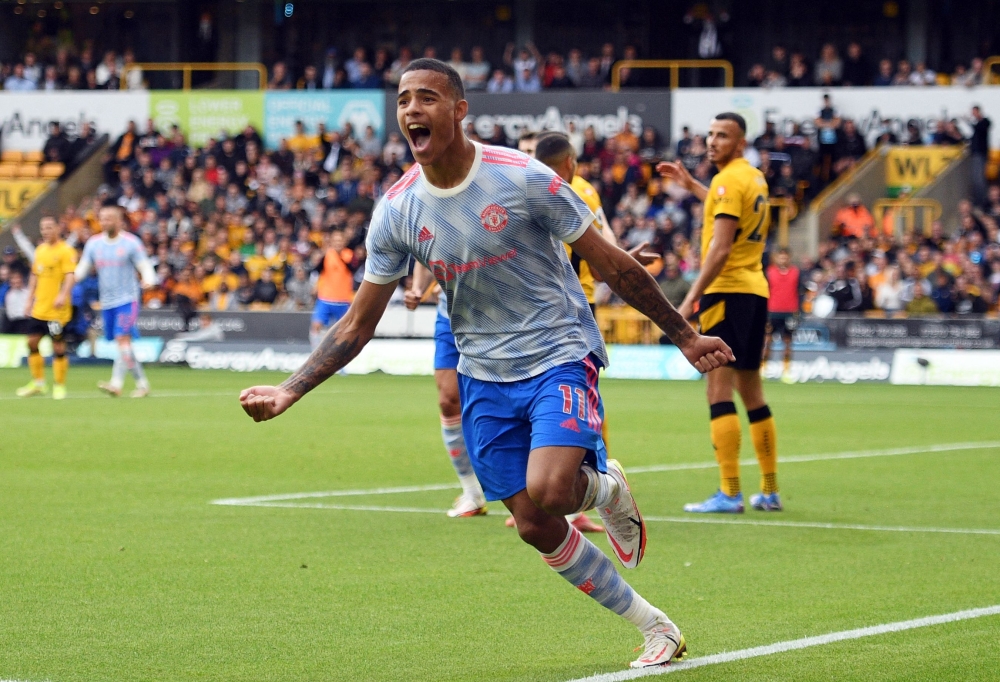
x=946, y=368
x=203, y=115
x=335, y=108
x=25, y=116
x=842, y=367
x=868, y=107
x=15, y=195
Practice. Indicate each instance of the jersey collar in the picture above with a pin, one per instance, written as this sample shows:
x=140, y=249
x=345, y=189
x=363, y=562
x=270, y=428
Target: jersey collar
x=452, y=191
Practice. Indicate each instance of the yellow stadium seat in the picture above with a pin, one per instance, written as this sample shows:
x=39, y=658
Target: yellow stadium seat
x=994, y=156
x=11, y=157
x=28, y=170
x=8, y=170
x=52, y=170
x=33, y=157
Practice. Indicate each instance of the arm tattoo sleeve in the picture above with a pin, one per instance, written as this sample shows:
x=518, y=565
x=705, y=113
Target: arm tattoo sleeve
x=336, y=349
x=637, y=287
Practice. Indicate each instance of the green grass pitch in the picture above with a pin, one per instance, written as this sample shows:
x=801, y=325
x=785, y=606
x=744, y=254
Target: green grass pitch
x=115, y=566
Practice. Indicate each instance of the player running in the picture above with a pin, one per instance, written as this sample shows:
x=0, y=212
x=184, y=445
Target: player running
x=471, y=502
x=50, y=308
x=782, y=309
x=529, y=346
x=732, y=292
x=116, y=255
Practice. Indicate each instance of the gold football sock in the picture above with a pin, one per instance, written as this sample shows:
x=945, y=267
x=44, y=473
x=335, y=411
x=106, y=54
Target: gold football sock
x=725, y=427
x=60, y=365
x=36, y=363
x=765, y=443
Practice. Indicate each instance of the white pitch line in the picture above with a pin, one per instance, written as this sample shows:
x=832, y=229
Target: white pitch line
x=656, y=519
x=793, y=645
x=914, y=450
x=828, y=456
x=819, y=524
x=249, y=501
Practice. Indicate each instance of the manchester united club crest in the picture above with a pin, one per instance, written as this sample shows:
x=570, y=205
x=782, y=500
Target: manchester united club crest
x=494, y=218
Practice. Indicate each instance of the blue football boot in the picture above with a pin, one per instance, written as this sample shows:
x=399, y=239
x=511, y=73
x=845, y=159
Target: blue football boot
x=762, y=502
x=719, y=503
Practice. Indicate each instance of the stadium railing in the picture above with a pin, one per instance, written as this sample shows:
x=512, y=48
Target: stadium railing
x=187, y=68
x=675, y=66
x=990, y=78
x=907, y=213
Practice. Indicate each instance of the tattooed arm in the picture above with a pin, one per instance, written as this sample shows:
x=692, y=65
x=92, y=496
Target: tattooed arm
x=340, y=345
x=637, y=287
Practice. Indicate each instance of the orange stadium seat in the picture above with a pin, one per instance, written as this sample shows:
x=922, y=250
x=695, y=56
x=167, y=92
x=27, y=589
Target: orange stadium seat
x=33, y=157
x=28, y=170
x=13, y=156
x=8, y=170
x=52, y=170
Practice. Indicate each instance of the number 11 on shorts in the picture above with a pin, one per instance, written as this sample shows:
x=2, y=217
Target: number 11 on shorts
x=567, y=393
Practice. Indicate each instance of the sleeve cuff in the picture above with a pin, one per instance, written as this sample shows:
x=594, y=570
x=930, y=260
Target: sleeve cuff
x=587, y=222
x=375, y=279
x=727, y=215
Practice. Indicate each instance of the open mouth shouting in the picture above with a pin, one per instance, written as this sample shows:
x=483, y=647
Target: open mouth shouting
x=420, y=137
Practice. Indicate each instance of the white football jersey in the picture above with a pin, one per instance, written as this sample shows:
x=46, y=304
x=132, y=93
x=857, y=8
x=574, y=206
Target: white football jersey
x=493, y=243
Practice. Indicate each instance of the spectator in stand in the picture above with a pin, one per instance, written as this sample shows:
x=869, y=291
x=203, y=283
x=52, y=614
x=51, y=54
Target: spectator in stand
x=108, y=72
x=853, y=220
x=756, y=76
x=903, y=73
x=979, y=149
x=398, y=65
x=889, y=293
x=829, y=70
x=17, y=81
x=50, y=82
x=32, y=70
x=265, y=290
x=798, y=72
x=885, y=75
x=851, y=147
x=57, y=145
x=671, y=280
x=457, y=62
x=353, y=66
x=592, y=76
x=857, y=70
x=280, y=79
x=827, y=127
x=477, y=71
x=500, y=83
x=574, y=66
x=920, y=303
x=845, y=288
x=309, y=80
x=131, y=73
x=369, y=143
x=525, y=65
x=367, y=78
x=922, y=75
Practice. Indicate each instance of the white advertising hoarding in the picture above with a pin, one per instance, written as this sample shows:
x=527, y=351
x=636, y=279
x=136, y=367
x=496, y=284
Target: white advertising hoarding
x=25, y=116
x=946, y=367
x=695, y=107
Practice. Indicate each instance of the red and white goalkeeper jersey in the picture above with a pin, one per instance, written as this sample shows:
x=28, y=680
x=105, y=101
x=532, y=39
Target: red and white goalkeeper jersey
x=493, y=243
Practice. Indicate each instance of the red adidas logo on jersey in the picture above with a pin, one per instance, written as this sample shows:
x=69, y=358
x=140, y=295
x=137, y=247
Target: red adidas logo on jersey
x=425, y=235
x=571, y=424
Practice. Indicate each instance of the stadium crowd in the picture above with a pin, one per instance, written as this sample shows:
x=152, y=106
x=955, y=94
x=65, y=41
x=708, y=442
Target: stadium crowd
x=518, y=69
x=231, y=226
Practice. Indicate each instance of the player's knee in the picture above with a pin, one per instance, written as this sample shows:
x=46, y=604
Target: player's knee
x=449, y=404
x=552, y=497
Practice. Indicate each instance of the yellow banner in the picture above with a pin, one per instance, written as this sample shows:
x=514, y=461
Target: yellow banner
x=917, y=166
x=15, y=195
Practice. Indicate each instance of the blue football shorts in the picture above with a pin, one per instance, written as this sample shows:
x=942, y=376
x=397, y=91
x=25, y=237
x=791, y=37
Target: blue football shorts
x=445, y=350
x=326, y=313
x=504, y=422
x=121, y=321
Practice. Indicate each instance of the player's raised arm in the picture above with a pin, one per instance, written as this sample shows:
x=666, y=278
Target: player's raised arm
x=340, y=345
x=636, y=286
x=676, y=172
